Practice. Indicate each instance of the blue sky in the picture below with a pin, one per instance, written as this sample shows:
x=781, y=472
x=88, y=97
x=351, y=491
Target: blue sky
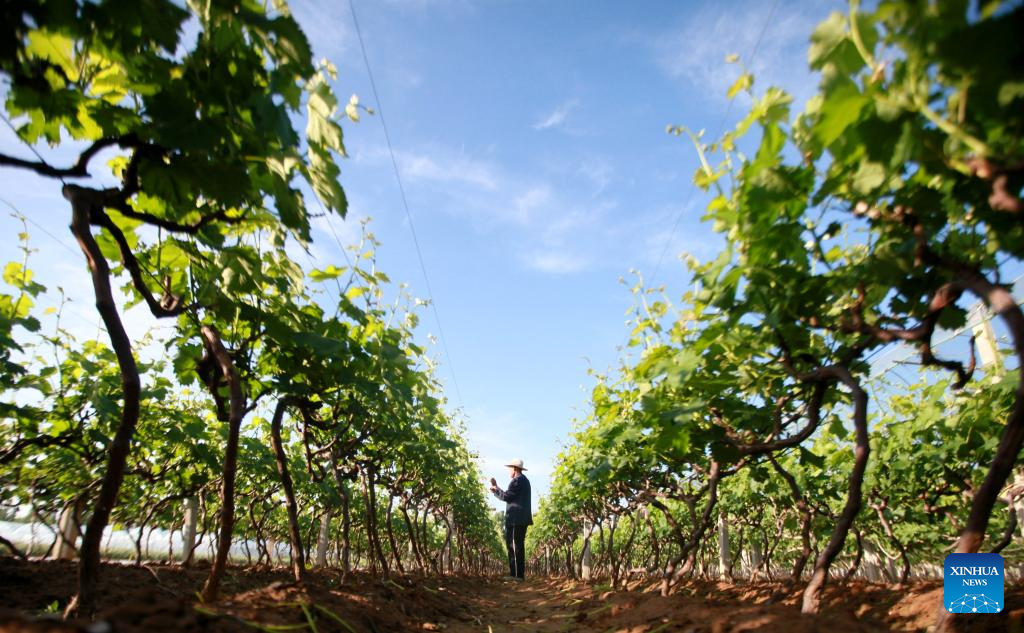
x=530, y=137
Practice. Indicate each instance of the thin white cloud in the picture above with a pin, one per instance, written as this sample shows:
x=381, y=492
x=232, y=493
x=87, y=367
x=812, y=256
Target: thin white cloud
x=598, y=170
x=448, y=168
x=701, y=243
x=570, y=224
x=328, y=25
x=549, y=221
x=432, y=5
x=348, y=231
x=560, y=263
x=557, y=117
x=696, y=51
x=529, y=203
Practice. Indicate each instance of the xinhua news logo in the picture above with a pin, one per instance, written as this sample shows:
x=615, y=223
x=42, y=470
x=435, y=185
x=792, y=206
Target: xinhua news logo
x=973, y=583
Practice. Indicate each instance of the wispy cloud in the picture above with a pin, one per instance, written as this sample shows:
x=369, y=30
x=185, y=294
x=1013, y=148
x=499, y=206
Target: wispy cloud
x=558, y=116
x=696, y=51
x=447, y=168
x=573, y=222
x=702, y=244
x=558, y=220
x=328, y=26
x=423, y=5
x=560, y=263
x=597, y=170
x=529, y=203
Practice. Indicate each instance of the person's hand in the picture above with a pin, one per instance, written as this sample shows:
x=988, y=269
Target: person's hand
x=494, y=489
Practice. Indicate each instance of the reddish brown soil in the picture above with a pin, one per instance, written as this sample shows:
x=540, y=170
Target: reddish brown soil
x=159, y=598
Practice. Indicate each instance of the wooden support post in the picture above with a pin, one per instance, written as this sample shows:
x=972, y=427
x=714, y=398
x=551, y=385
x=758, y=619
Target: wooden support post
x=723, y=547
x=756, y=557
x=872, y=562
x=980, y=320
x=188, y=530
x=585, y=563
x=67, y=533
x=324, y=540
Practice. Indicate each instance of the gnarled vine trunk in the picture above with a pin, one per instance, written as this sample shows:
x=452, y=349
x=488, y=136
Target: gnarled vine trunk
x=413, y=540
x=295, y=536
x=373, y=541
x=83, y=201
x=215, y=349
x=690, y=547
x=1000, y=301
x=857, y=557
x=861, y=451
x=887, y=527
x=395, y=552
x=805, y=519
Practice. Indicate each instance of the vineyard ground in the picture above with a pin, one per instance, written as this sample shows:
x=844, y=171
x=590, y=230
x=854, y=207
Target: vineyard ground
x=160, y=598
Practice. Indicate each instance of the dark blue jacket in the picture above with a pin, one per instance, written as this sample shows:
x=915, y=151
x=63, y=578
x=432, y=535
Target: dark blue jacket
x=517, y=501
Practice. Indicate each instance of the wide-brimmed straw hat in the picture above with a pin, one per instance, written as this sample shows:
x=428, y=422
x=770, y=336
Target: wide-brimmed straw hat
x=516, y=463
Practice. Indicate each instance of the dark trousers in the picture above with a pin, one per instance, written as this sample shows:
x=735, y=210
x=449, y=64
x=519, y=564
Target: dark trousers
x=515, y=539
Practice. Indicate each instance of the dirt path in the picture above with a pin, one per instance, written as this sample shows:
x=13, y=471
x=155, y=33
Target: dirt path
x=503, y=606
x=558, y=605
x=161, y=599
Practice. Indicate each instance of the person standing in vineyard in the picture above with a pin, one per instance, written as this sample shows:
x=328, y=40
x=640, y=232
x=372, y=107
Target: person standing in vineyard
x=518, y=516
